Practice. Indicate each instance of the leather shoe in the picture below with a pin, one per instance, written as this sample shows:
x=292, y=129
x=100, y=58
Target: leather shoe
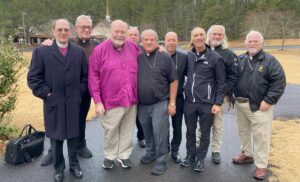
x=84, y=152
x=47, y=159
x=142, y=143
x=175, y=156
x=242, y=159
x=216, y=157
x=58, y=177
x=187, y=161
x=77, y=172
x=260, y=173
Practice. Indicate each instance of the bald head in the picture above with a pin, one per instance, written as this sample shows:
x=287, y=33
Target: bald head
x=118, y=30
x=133, y=34
x=118, y=23
x=171, y=41
x=198, y=39
x=61, y=31
x=60, y=21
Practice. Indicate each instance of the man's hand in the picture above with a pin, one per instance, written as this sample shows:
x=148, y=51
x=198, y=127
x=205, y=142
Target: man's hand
x=228, y=101
x=47, y=42
x=99, y=108
x=264, y=106
x=215, y=109
x=161, y=49
x=171, y=108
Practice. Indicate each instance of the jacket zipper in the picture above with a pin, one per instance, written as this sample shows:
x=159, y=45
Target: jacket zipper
x=208, y=91
x=193, y=84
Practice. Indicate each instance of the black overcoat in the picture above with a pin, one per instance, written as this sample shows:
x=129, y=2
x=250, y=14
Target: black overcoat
x=60, y=82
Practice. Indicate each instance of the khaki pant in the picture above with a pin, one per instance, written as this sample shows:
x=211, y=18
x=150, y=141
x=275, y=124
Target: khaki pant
x=255, y=132
x=217, y=130
x=118, y=124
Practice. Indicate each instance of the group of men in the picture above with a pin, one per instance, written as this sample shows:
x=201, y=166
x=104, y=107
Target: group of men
x=138, y=83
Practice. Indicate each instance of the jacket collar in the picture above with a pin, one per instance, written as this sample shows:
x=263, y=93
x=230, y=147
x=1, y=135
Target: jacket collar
x=66, y=61
x=259, y=56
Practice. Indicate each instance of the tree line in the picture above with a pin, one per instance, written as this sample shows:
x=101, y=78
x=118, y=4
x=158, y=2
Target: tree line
x=274, y=18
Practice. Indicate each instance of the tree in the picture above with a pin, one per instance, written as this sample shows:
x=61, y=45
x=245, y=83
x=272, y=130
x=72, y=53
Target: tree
x=262, y=22
x=11, y=62
x=284, y=21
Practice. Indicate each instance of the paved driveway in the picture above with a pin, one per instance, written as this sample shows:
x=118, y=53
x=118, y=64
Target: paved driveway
x=93, y=172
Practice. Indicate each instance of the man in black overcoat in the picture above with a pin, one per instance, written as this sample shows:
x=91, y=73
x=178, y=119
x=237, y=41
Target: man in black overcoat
x=58, y=75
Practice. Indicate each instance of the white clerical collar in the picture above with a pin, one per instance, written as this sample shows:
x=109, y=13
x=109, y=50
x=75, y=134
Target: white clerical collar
x=61, y=45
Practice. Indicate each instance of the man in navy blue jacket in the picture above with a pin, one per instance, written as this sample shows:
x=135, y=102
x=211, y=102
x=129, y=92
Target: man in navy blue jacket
x=58, y=75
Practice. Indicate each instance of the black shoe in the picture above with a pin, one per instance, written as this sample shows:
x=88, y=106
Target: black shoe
x=187, y=161
x=108, y=164
x=199, y=165
x=142, y=143
x=216, y=157
x=159, y=168
x=58, y=177
x=175, y=156
x=77, y=172
x=146, y=159
x=47, y=159
x=84, y=152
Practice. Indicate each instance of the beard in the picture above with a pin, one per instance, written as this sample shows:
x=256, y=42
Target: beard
x=118, y=43
x=252, y=51
x=215, y=43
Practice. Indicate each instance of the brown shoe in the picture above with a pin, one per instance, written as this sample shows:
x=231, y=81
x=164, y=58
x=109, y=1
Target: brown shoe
x=260, y=173
x=242, y=159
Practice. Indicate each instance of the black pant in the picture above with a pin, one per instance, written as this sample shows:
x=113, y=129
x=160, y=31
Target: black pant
x=191, y=113
x=177, y=124
x=140, y=132
x=84, y=109
x=58, y=157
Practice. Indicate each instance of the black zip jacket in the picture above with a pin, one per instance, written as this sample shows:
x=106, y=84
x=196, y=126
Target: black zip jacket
x=267, y=81
x=180, y=61
x=205, y=78
x=231, y=68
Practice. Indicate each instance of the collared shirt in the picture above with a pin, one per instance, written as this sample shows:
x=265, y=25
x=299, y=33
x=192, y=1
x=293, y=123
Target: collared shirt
x=156, y=73
x=113, y=74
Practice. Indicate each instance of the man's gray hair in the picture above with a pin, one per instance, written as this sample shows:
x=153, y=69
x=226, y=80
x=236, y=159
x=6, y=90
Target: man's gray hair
x=86, y=17
x=151, y=31
x=224, y=44
x=255, y=32
x=119, y=21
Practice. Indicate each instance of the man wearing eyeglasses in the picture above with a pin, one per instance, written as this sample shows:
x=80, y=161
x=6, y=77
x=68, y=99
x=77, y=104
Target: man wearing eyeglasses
x=83, y=39
x=58, y=75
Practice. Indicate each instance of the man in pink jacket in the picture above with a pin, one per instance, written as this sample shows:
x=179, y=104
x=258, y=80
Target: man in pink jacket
x=113, y=86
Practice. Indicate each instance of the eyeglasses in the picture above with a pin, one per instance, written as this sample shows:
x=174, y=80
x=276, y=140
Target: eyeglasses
x=83, y=27
x=60, y=30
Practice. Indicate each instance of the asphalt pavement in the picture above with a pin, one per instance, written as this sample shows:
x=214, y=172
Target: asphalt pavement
x=93, y=171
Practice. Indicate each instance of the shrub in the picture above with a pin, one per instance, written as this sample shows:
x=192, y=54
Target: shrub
x=11, y=62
